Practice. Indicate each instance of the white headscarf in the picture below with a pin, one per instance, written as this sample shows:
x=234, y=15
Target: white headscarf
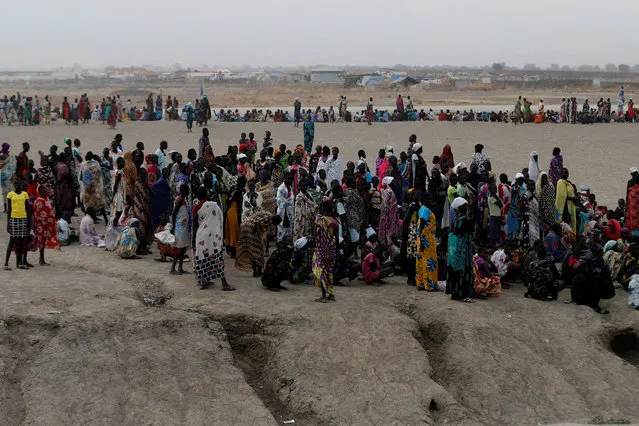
x=459, y=167
x=458, y=202
x=533, y=166
x=387, y=181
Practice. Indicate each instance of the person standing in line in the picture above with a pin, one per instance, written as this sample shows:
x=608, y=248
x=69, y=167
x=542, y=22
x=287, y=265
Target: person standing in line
x=309, y=135
x=370, y=113
x=16, y=224
x=204, y=141
x=326, y=235
x=297, y=105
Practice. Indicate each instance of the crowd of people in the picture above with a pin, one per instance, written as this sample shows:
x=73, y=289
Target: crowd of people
x=452, y=227
x=28, y=110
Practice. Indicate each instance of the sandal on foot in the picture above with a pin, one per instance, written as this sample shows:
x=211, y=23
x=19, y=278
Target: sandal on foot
x=228, y=288
x=6, y=268
x=468, y=300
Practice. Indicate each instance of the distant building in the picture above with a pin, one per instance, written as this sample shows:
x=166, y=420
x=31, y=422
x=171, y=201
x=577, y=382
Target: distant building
x=327, y=76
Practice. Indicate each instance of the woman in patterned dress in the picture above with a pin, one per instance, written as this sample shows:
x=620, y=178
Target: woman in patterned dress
x=251, y=248
x=325, y=251
x=305, y=213
x=389, y=213
x=45, y=223
x=459, y=279
x=426, y=259
x=208, y=243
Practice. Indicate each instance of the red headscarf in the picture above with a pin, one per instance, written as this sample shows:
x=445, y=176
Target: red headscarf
x=447, y=153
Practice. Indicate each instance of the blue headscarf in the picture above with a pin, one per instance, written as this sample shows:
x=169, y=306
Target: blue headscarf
x=424, y=213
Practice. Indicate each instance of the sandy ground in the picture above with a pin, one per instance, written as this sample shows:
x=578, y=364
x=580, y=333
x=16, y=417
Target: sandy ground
x=80, y=345
x=598, y=155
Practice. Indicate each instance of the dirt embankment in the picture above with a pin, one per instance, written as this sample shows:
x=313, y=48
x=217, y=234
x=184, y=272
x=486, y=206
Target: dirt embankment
x=89, y=342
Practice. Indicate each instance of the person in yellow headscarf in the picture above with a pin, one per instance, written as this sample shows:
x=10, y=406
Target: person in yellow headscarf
x=565, y=201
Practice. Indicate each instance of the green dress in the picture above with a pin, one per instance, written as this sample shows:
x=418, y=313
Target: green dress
x=459, y=279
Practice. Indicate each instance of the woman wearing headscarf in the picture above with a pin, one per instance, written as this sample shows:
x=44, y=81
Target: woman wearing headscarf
x=486, y=276
x=533, y=166
x=208, y=244
x=565, y=201
x=189, y=111
x=410, y=236
x=141, y=209
x=426, y=263
x=545, y=192
x=128, y=242
x=389, y=213
x=613, y=257
x=459, y=279
x=447, y=154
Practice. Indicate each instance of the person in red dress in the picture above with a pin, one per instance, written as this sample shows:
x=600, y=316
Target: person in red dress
x=45, y=223
x=112, y=119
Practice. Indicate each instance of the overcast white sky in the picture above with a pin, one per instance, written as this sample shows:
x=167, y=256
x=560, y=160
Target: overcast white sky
x=50, y=33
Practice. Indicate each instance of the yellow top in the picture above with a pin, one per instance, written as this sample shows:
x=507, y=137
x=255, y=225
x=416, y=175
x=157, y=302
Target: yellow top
x=18, y=204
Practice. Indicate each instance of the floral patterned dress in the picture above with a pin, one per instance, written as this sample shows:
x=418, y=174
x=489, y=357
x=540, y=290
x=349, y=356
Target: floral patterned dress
x=45, y=223
x=426, y=263
x=305, y=212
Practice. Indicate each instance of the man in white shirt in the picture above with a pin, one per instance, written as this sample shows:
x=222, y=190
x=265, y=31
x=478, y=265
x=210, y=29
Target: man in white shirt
x=160, y=152
x=334, y=167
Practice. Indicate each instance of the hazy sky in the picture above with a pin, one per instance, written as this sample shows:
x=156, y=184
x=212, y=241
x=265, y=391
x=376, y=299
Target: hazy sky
x=49, y=33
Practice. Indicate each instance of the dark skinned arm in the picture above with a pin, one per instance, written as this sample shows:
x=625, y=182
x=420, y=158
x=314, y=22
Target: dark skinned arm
x=195, y=226
x=174, y=215
x=8, y=213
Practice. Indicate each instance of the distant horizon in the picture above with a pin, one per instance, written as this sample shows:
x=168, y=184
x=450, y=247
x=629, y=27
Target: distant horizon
x=438, y=67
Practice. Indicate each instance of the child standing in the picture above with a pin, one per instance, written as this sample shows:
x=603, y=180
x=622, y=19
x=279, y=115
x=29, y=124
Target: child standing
x=16, y=224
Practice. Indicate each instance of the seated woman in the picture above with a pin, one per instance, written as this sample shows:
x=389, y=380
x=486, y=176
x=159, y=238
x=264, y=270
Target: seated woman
x=487, y=281
x=542, y=277
x=372, y=267
x=88, y=234
x=302, y=259
x=554, y=243
x=591, y=279
x=127, y=243
x=277, y=268
x=613, y=257
x=630, y=265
